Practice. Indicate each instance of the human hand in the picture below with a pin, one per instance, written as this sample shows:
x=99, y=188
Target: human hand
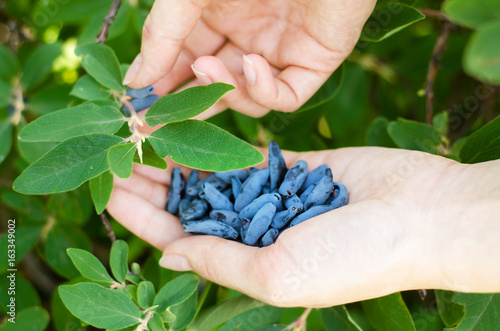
x=407, y=226
x=276, y=53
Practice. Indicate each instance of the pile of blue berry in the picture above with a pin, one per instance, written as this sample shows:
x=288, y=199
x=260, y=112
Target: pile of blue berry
x=254, y=206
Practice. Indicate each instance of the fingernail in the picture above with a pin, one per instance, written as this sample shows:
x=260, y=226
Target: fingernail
x=249, y=70
x=202, y=76
x=133, y=70
x=175, y=262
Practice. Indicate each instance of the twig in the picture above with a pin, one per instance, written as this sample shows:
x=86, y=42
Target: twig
x=108, y=227
x=433, y=69
x=434, y=14
x=103, y=34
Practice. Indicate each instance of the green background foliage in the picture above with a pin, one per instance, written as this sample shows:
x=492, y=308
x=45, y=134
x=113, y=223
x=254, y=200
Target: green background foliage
x=376, y=98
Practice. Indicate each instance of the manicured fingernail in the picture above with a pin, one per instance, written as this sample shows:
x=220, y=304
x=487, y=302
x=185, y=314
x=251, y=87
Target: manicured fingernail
x=133, y=70
x=175, y=262
x=249, y=70
x=202, y=76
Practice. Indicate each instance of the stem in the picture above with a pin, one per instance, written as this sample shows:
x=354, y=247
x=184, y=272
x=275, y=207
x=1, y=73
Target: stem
x=434, y=14
x=108, y=227
x=300, y=323
x=433, y=69
x=103, y=34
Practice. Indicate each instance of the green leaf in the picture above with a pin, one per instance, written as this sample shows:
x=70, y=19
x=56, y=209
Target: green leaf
x=176, y=291
x=74, y=207
x=414, y=135
x=87, y=88
x=5, y=94
x=203, y=146
x=67, y=166
x=483, y=144
x=388, y=19
x=150, y=158
x=155, y=323
x=482, y=55
x=326, y=92
x=217, y=315
x=39, y=64
x=5, y=138
x=472, y=13
x=101, y=63
x=440, y=123
x=72, y=122
x=338, y=319
x=482, y=311
x=101, y=188
x=99, y=306
x=89, y=266
x=377, y=135
x=451, y=312
x=10, y=66
x=388, y=313
x=27, y=205
x=184, y=312
x=59, y=239
x=26, y=295
x=145, y=294
x=29, y=319
x=121, y=158
x=118, y=260
x=49, y=99
x=181, y=106
x=26, y=237
x=256, y=317
x=74, y=11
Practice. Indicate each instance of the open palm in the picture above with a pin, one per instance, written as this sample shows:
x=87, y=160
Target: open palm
x=290, y=48
x=371, y=247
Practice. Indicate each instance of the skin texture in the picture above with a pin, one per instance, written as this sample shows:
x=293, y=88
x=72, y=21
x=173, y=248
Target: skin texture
x=413, y=221
x=290, y=48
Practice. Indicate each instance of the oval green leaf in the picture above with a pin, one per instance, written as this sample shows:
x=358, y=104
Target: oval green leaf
x=67, y=166
x=89, y=266
x=101, y=188
x=188, y=103
x=483, y=144
x=472, y=13
x=72, y=122
x=145, y=294
x=118, y=260
x=176, y=291
x=388, y=313
x=203, y=146
x=121, y=158
x=113, y=309
x=87, y=88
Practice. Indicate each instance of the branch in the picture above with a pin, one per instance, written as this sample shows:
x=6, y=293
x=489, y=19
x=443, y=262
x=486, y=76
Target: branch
x=433, y=69
x=108, y=227
x=103, y=34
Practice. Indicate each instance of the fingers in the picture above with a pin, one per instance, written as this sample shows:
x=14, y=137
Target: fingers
x=144, y=219
x=165, y=30
x=144, y=187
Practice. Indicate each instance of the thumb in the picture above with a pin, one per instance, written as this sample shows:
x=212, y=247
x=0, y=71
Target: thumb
x=224, y=262
x=167, y=26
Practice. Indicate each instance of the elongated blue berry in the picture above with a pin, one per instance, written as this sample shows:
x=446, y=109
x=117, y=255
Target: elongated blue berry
x=294, y=178
x=313, y=212
x=303, y=196
x=339, y=196
x=191, y=181
x=140, y=92
x=294, y=202
x=252, y=208
x=251, y=188
x=235, y=186
x=226, y=216
x=314, y=176
x=269, y=237
x=277, y=166
x=183, y=206
x=226, y=175
x=321, y=191
x=142, y=103
x=196, y=209
x=259, y=224
x=211, y=227
x=175, y=191
x=215, y=198
x=282, y=218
